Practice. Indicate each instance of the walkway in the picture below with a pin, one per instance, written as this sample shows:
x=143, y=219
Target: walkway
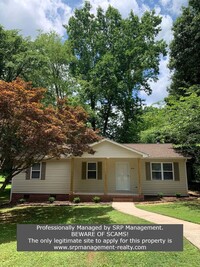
x=190, y=230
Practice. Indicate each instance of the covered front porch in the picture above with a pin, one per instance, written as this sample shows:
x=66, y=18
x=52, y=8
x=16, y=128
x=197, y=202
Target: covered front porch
x=117, y=179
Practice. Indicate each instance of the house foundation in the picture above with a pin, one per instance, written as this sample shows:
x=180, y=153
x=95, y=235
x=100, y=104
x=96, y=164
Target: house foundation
x=107, y=198
x=38, y=197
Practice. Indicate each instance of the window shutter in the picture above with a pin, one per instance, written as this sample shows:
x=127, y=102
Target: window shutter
x=148, y=171
x=43, y=171
x=28, y=174
x=83, y=170
x=176, y=172
x=99, y=170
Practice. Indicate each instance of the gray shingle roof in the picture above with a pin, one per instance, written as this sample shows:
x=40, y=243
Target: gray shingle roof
x=156, y=150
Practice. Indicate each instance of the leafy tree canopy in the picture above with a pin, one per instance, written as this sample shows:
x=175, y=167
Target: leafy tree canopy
x=115, y=59
x=52, y=70
x=43, y=61
x=178, y=122
x=15, y=54
x=185, y=50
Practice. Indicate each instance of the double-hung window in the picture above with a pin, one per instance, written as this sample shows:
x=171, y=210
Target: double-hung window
x=162, y=171
x=36, y=171
x=92, y=170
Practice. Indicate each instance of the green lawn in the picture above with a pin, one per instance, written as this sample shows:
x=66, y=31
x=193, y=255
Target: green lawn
x=185, y=210
x=9, y=217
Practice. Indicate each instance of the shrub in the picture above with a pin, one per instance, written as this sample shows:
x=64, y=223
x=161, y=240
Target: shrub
x=178, y=195
x=160, y=195
x=52, y=199
x=22, y=200
x=77, y=200
x=96, y=199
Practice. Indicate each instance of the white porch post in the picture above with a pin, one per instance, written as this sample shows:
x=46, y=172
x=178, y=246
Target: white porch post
x=139, y=177
x=72, y=177
x=105, y=176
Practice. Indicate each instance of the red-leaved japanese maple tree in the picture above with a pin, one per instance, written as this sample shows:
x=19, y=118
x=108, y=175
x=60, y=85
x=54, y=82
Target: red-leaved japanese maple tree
x=30, y=131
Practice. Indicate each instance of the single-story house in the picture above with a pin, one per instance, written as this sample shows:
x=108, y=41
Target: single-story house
x=114, y=171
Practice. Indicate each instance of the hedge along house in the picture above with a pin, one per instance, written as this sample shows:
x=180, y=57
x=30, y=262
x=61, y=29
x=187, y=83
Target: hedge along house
x=114, y=172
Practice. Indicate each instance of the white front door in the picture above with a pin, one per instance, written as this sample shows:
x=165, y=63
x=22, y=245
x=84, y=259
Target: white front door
x=122, y=170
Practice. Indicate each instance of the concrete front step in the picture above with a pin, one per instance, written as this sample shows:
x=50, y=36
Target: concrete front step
x=123, y=199
x=135, y=198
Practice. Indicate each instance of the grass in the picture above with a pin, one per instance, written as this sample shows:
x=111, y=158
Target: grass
x=9, y=217
x=185, y=210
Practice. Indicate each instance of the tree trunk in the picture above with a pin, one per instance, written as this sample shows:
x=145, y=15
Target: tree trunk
x=5, y=183
x=107, y=115
x=93, y=119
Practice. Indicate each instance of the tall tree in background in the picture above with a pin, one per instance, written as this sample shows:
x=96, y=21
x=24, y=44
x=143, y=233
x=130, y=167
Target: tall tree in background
x=29, y=131
x=185, y=87
x=44, y=61
x=52, y=69
x=185, y=50
x=16, y=56
x=178, y=122
x=115, y=59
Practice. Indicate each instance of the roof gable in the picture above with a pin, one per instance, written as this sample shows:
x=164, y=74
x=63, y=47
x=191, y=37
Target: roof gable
x=106, y=148
x=110, y=149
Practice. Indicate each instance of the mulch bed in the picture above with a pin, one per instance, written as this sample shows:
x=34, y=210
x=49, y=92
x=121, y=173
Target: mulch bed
x=55, y=203
x=170, y=199
x=193, y=195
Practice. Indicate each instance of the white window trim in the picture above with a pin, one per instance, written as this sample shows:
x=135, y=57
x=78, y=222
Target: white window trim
x=92, y=170
x=40, y=170
x=162, y=172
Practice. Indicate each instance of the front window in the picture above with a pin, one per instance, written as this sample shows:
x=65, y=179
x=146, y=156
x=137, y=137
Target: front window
x=162, y=171
x=36, y=171
x=92, y=170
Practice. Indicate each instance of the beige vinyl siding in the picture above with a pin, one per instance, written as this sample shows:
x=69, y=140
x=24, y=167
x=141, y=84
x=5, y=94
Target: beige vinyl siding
x=167, y=187
x=57, y=180
x=97, y=186
x=109, y=150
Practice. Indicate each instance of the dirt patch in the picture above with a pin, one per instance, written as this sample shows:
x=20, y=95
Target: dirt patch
x=90, y=256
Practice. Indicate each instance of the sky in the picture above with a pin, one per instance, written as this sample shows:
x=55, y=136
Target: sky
x=31, y=15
